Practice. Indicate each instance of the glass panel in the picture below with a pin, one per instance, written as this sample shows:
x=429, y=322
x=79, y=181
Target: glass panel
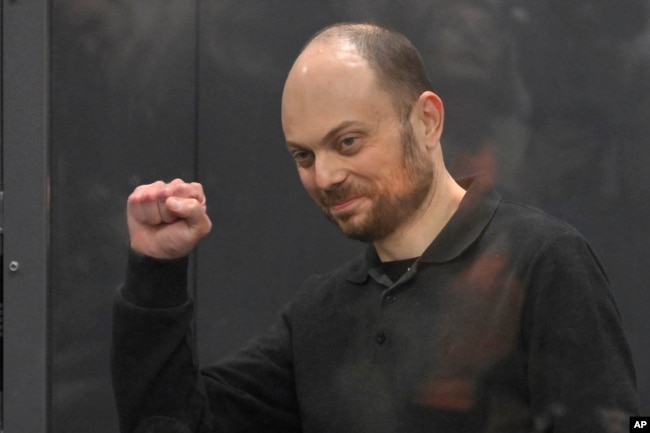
x=122, y=113
x=549, y=99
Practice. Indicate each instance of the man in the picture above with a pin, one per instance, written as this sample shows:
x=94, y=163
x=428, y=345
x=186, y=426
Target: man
x=466, y=314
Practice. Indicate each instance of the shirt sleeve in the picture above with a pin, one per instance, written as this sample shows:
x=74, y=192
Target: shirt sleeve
x=156, y=377
x=580, y=369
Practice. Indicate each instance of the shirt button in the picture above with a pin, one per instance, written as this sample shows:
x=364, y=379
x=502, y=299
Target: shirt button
x=381, y=337
x=390, y=299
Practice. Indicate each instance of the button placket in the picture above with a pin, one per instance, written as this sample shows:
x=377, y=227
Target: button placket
x=387, y=300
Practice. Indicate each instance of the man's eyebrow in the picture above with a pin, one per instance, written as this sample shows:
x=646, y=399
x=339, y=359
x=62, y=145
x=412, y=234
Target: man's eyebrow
x=330, y=134
x=336, y=130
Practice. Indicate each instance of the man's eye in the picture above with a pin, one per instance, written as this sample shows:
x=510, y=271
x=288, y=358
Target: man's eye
x=350, y=145
x=301, y=156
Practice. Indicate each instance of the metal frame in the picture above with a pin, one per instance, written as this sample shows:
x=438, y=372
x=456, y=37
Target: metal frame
x=25, y=85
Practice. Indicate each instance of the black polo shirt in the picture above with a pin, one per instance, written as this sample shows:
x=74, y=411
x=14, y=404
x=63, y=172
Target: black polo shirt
x=506, y=322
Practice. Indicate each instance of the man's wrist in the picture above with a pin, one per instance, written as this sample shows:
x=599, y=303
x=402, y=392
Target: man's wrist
x=155, y=283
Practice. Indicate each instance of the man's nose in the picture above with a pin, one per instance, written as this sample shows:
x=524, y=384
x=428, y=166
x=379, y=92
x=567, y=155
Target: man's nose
x=329, y=171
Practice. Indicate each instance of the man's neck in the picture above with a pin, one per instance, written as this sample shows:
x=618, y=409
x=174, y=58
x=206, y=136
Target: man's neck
x=416, y=234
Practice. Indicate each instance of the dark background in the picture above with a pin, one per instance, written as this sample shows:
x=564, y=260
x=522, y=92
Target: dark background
x=550, y=97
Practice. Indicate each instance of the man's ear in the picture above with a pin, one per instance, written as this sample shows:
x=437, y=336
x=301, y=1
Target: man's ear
x=431, y=113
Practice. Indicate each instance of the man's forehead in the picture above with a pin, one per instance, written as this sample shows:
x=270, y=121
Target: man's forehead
x=323, y=69
x=327, y=57
x=330, y=84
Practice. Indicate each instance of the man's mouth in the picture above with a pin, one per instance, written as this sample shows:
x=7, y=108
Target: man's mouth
x=344, y=204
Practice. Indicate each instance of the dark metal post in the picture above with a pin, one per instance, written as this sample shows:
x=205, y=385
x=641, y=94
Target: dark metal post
x=25, y=85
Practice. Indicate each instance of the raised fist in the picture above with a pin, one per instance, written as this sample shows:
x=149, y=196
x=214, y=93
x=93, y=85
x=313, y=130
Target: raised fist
x=167, y=220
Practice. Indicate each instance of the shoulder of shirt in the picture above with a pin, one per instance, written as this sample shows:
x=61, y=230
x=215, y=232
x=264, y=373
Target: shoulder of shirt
x=531, y=220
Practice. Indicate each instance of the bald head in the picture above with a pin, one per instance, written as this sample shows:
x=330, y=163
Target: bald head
x=396, y=63
x=347, y=64
x=328, y=79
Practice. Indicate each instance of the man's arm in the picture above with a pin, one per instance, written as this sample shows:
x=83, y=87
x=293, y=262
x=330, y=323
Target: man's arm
x=153, y=364
x=156, y=378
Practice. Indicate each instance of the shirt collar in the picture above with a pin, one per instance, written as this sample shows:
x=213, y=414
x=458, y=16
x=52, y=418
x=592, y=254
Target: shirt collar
x=468, y=222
